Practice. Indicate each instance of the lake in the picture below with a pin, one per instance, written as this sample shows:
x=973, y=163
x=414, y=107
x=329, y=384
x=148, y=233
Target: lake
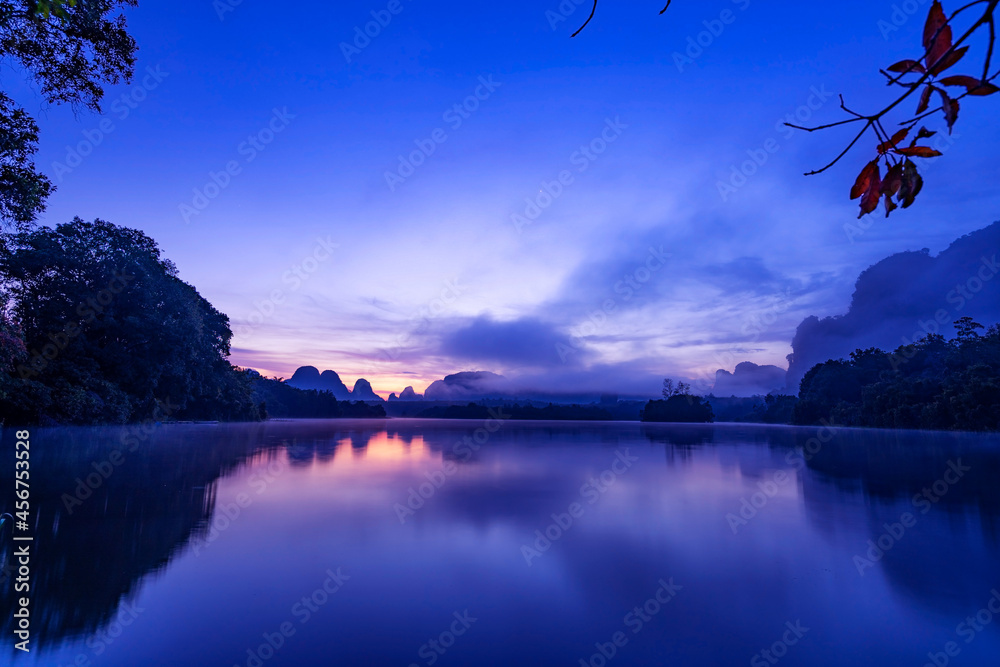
x=410, y=542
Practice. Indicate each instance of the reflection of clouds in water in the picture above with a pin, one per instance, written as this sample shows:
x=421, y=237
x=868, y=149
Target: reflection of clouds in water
x=663, y=518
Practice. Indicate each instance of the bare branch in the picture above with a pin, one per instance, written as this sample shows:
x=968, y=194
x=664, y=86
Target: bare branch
x=844, y=152
x=589, y=19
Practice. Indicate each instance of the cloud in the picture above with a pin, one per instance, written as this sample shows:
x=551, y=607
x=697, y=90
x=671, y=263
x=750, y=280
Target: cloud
x=468, y=385
x=749, y=379
x=905, y=297
x=525, y=342
x=747, y=275
x=636, y=378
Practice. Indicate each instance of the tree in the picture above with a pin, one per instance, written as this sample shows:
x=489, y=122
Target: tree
x=967, y=327
x=931, y=384
x=69, y=50
x=940, y=51
x=682, y=389
x=109, y=333
x=679, y=408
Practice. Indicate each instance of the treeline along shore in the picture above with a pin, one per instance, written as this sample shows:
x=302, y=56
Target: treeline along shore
x=98, y=328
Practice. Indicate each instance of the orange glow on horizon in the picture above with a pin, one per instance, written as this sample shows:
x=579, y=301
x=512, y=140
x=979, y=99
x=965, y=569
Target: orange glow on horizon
x=383, y=384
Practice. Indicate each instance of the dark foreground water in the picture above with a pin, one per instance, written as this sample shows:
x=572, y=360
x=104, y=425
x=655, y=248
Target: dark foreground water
x=464, y=543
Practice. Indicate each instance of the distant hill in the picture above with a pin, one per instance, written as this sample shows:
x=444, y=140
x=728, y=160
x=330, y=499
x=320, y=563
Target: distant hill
x=363, y=391
x=309, y=377
x=468, y=385
x=749, y=379
x=407, y=395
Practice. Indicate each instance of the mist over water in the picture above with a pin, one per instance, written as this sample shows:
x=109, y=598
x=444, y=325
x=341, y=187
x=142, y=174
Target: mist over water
x=472, y=543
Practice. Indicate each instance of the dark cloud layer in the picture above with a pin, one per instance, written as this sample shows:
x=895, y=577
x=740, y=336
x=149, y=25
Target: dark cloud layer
x=904, y=297
x=749, y=379
x=527, y=342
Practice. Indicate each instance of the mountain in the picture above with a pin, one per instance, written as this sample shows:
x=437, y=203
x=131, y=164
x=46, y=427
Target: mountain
x=749, y=379
x=309, y=377
x=363, y=392
x=468, y=385
x=904, y=297
x=407, y=395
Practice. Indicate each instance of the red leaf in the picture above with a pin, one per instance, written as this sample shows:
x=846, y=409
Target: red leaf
x=961, y=80
x=925, y=99
x=950, y=60
x=893, y=142
x=935, y=19
x=906, y=66
x=924, y=133
x=972, y=85
x=912, y=184
x=864, y=181
x=950, y=108
x=893, y=180
x=984, y=89
x=918, y=151
x=937, y=35
x=871, y=196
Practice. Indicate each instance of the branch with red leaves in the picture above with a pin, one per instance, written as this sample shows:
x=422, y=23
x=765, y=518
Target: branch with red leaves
x=902, y=180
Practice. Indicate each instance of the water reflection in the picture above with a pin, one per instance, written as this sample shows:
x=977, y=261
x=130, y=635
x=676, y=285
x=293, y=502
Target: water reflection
x=321, y=494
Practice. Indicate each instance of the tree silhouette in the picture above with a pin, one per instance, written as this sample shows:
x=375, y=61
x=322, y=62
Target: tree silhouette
x=682, y=389
x=69, y=50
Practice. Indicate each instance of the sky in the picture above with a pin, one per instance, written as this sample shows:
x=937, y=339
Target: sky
x=472, y=189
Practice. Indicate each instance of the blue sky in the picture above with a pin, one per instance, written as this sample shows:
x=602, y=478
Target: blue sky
x=636, y=269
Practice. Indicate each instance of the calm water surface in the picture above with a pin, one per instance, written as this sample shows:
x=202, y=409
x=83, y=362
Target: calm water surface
x=469, y=543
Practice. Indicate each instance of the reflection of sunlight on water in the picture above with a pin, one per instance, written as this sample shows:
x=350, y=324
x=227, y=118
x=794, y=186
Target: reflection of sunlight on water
x=357, y=452
x=320, y=494
x=386, y=448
